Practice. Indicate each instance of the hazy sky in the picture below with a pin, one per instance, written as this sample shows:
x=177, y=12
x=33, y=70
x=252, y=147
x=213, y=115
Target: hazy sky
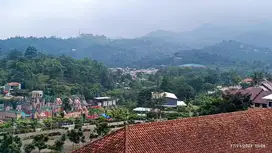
x=122, y=18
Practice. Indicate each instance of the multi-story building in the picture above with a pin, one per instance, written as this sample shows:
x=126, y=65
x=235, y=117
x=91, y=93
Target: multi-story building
x=103, y=101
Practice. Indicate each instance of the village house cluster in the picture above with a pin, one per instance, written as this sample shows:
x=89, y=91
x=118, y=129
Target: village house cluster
x=38, y=107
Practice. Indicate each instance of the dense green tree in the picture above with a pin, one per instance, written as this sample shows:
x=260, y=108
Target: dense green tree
x=31, y=52
x=66, y=104
x=14, y=55
x=58, y=145
x=102, y=128
x=144, y=97
x=92, y=136
x=185, y=91
x=76, y=136
x=227, y=103
x=165, y=85
x=58, y=75
x=21, y=92
x=10, y=143
x=257, y=77
x=29, y=148
x=39, y=141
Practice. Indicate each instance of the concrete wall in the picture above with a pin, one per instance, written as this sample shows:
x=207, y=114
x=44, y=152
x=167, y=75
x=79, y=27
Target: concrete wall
x=8, y=115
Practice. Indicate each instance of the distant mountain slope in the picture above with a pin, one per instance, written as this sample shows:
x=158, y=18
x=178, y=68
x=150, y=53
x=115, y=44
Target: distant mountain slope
x=230, y=54
x=204, y=35
x=258, y=38
x=255, y=34
x=238, y=51
x=112, y=52
x=203, y=45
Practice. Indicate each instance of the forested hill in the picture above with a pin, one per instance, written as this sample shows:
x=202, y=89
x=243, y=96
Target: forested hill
x=111, y=52
x=54, y=75
x=226, y=54
x=142, y=52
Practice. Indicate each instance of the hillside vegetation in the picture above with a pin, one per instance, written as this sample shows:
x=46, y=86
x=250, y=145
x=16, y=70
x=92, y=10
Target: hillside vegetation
x=55, y=75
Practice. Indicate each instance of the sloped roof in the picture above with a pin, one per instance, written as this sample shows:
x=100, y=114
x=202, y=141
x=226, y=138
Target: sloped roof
x=142, y=109
x=268, y=97
x=164, y=94
x=246, y=80
x=205, y=134
x=13, y=84
x=102, y=98
x=260, y=97
x=169, y=95
x=181, y=103
x=252, y=91
x=267, y=85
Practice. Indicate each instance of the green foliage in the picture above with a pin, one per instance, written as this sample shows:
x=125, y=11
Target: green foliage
x=245, y=85
x=144, y=97
x=165, y=84
x=20, y=92
x=257, y=77
x=10, y=143
x=55, y=75
x=78, y=123
x=92, y=136
x=39, y=141
x=56, y=122
x=118, y=113
x=102, y=128
x=76, y=136
x=31, y=52
x=227, y=103
x=58, y=145
x=28, y=148
x=66, y=104
x=113, y=52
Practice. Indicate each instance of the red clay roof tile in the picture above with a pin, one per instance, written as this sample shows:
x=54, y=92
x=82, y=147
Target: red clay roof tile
x=205, y=134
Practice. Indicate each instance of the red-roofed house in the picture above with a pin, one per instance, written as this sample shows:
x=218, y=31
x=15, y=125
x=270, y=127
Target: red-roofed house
x=237, y=132
x=13, y=85
x=256, y=95
x=247, y=80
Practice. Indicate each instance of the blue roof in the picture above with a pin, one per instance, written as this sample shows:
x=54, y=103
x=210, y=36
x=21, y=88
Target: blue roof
x=105, y=115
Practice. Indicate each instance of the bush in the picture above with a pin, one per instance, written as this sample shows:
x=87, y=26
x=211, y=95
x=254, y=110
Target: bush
x=54, y=134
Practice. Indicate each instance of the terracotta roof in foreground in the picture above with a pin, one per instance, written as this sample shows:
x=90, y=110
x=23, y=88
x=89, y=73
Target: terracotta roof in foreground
x=240, y=132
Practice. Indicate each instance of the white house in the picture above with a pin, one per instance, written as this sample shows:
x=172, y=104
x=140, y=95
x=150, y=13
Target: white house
x=171, y=99
x=104, y=101
x=37, y=94
x=141, y=111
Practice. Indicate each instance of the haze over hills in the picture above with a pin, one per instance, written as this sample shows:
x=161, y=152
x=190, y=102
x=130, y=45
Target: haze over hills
x=209, y=34
x=112, y=52
x=226, y=54
x=209, y=44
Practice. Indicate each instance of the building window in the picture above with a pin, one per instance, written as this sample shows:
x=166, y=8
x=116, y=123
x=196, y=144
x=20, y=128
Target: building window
x=257, y=105
x=270, y=104
x=264, y=105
